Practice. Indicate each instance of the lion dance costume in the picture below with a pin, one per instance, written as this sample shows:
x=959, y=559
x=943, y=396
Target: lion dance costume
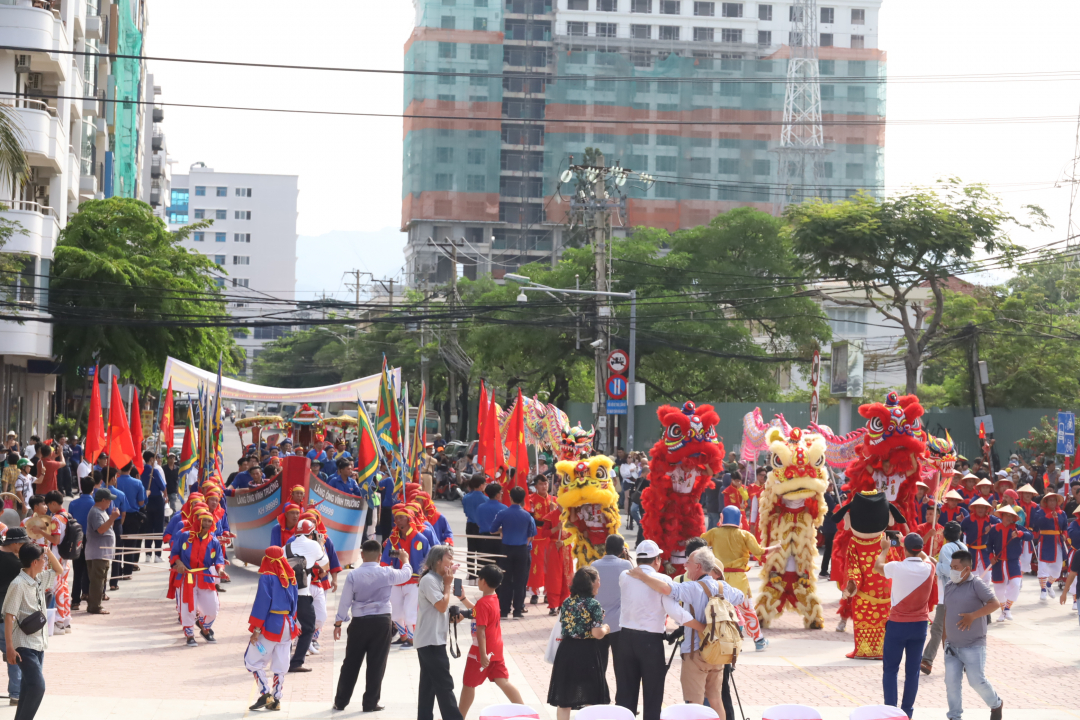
x=590, y=505
x=682, y=464
x=792, y=508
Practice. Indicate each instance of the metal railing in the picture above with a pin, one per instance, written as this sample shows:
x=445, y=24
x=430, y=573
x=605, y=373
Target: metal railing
x=30, y=206
x=28, y=103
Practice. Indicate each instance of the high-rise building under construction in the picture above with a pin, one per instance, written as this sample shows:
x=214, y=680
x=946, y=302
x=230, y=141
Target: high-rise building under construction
x=690, y=92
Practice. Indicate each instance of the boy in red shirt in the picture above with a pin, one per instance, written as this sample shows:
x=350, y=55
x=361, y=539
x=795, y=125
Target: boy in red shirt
x=485, y=660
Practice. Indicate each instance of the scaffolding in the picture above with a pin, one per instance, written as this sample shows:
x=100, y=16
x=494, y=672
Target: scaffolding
x=127, y=80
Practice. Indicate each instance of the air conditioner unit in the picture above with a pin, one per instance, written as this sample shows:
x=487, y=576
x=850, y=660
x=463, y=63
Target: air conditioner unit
x=22, y=63
x=33, y=81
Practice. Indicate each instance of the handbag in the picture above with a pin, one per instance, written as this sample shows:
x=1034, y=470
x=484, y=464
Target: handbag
x=553, y=641
x=33, y=622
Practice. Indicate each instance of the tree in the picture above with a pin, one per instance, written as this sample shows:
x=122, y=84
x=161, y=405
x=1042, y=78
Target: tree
x=1041, y=440
x=890, y=249
x=14, y=169
x=124, y=291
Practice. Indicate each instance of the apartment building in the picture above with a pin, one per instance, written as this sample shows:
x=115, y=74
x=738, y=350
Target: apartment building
x=156, y=182
x=519, y=86
x=252, y=240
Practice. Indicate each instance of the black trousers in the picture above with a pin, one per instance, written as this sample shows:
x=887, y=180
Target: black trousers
x=641, y=665
x=305, y=615
x=826, y=552
x=386, y=523
x=117, y=568
x=436, y=683
x=368, y=636
x=155, y=523
x=471, y=544
x=80, y=579
x=515, y=567
x=611, y=640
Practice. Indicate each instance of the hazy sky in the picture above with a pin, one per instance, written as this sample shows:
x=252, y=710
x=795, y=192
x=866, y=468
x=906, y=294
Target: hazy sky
x=350, y=168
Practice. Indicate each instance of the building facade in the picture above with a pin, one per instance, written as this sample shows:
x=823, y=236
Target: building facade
x=252, y=239
x=156, y=182
x=689, y=92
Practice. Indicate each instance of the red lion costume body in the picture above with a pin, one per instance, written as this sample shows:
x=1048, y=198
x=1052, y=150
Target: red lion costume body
x=683, y=462
x=889, y=460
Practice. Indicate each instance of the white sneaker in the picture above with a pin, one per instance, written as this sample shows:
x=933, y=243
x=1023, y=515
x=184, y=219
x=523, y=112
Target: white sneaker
x=840, y=626
x=1001, y=617
x=312, y=650
x=159, y=559
x=315, y=644
x=1007, y=612
x=1043, y=597
x=1074, y=606
x=1050, y=591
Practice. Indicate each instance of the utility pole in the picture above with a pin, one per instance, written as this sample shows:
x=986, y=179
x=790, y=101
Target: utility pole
x=601, y=222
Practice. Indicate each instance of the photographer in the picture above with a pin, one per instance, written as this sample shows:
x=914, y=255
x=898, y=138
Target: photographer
x=306, y=544
x=433, y=621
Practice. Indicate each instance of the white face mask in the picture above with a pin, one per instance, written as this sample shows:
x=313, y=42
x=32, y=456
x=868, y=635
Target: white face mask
x=956, y=576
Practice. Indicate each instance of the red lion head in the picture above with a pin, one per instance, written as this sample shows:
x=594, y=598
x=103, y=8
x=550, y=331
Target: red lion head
x=689, y=437
x=894, y=434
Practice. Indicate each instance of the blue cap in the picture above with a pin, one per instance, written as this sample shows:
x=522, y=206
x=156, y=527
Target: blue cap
x=731, y=515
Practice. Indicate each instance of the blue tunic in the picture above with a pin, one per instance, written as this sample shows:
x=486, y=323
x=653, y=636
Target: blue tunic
x=1049, y=530
x=274, y=609
x=443, y=531
x=976, y=536
x=1006, y=553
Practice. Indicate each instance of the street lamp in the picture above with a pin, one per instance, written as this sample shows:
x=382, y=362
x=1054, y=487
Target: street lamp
x=632, y=296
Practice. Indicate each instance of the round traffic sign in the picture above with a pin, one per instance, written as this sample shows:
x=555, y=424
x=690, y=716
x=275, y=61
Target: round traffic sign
x=616, y=387
x=618, y=361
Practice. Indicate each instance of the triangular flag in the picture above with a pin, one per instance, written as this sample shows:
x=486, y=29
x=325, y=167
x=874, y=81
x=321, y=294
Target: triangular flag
x=135, y=426
x=120, y=449
x=95, y=427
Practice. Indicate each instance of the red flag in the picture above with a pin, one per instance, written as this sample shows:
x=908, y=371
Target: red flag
x=95, y=427
x=481, y=418
x=168, y=423
x=120, y=449
x=496, y=459
x=515, y=443
x=135, y=426
x=982, y=431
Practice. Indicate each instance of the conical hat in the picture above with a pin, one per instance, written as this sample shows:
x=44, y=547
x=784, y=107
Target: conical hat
x=981, y=503
x=953, y=495
x=1028, y=489
x=1007, y=509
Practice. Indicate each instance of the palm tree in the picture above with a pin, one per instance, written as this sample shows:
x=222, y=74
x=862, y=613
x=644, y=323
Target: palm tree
x=13, y=165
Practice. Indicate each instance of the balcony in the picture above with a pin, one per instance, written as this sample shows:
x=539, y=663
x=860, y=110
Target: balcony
x=157, y=142
x=92, y=30
x=159, y=114
x=46, y=138
x=33, y=23
x=88, y=186
x=40, y=223
x=155, y=169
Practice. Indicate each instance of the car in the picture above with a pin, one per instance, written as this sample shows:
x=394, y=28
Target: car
x=249, y=411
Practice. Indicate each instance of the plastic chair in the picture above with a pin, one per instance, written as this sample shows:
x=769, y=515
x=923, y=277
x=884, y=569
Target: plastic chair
x=604, y=712
x=688, y=711
x=507, y=711
x=877, y=712
x=791, y=712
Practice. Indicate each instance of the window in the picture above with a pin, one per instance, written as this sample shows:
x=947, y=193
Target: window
x=764, y=37
x=731, y=9
x=477, y=81
x=603, y=137
x=444, y=154
x=668, y=140
x=447, y=50
x=221, y=214
x=475, y=183
x=446, y=78
x=699, y=165
x=444, y=181
x=705, y=9
x=476, y=156
x=764, y=12
x=847, y=321
x=479, y=24
x=827, y=15
x=607, y=5
x=448, y=22
x=200, y=190
x=730, y=35
x=667, y=87
x=219, y=259
x=241, y=237
x=827, y=67
x=826, y=169
x=665, y=163
x=795, y=39
x=858, y=17
x=446, y=98
x=858, y=41
x=271, y=332
x=449, y=2
x=220, y=282
x=578, y=5
x=669, y=32
x=219, y=237
x=200, y=214
x=476, y=52
x=727, y=166
x=729, y=89
x=762, y=167
x=243, y=192
x=480, y=3
x=856, y=68
x=241, y=259
x=606, y=30
x=828, y=92
x=641, y=6
x=222, y=192
x=795, y=13
x=176, y=217
x=665, y=190
x=641, y=32
x=199, y=237
x=240, y=282
x=577, y=29
x=669, y=7
x=856, y=93
x=242, y=215
x=703, y=34
x=764, y=89
x=826, y=40
x=701, y=88
x=853, y=171
x=179, y=197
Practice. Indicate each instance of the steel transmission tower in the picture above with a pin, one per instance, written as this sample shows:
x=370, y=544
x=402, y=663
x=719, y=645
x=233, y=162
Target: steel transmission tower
x=802, y=141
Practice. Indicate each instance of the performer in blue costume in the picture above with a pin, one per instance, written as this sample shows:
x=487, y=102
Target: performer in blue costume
x=1006, y=545
x=272, y=624
x=196, y=557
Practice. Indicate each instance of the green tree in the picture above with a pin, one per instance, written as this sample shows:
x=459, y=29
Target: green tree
x=1041, y=439
x=124, y=291
x=891, y=249
x=14, y=169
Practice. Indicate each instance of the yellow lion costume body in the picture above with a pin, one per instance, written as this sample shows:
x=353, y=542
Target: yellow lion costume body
x=590, y=505
x=792, y=508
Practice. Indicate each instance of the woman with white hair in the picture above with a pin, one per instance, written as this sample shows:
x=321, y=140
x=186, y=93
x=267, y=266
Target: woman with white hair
x=432, y=622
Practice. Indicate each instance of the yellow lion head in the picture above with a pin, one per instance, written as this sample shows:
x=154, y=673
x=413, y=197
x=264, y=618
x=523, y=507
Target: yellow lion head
x=797, y=465
x=586, y=482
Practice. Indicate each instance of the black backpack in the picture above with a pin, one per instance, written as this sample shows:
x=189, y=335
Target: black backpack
x=299, y=566
x=72, y=544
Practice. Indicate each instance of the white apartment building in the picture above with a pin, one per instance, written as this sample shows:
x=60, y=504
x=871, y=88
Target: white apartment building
x=156, y=181
x=252, y=239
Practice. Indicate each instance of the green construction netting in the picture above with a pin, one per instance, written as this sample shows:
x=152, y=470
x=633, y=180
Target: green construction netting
x=127, y=75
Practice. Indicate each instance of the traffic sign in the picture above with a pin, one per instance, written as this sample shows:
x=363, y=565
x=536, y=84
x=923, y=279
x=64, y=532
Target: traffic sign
x=616, y=407
x=618, y=361
x=616, y=387
x=1066, y=434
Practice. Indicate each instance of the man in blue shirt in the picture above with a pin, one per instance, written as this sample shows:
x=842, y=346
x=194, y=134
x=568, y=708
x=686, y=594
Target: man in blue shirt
x=132, y=487
x=470, y=502
x=386, y=516
x=122, y=504
x=517, y=527
x=79, y=509
x=342, y=479
x=317, y=471
x=316, y=453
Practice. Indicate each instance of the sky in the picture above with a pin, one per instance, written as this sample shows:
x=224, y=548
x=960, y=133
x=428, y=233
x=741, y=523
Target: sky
x=350, y=168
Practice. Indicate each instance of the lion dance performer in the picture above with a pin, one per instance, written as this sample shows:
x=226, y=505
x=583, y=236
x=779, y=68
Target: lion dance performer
x=590, y=505
x=682, y=464
x=868, y=515
x=272, y=625
x=792, y=509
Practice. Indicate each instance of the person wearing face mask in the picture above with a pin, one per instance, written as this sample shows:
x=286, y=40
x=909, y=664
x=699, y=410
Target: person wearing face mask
x=968, y=602
x=952, y=544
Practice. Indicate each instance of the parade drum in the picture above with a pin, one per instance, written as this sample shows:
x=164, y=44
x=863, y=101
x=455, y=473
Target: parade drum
x=877, y=712
x=688, y=711
x=604, y=712
x=791, y=712
x=507, y=711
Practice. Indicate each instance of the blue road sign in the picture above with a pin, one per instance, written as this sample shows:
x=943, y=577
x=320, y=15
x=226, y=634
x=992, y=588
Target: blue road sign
x=616, y=407
x=1066, y=434
x=616, y=387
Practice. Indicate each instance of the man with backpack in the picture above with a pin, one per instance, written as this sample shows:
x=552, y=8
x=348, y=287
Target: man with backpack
x=66, y=549
x=706, y=657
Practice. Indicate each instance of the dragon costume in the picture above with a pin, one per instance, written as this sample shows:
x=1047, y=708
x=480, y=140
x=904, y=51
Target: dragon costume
x=792, y=508
x=682, y=464
x=590, y=505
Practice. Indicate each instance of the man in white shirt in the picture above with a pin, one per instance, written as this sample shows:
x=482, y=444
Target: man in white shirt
x=308, y=544
x=643, y=618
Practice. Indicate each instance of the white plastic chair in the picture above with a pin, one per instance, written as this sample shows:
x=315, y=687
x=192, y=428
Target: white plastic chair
x=877, y=712
x=791, y=712
x=507, y=711
x=604, y=712
x=688, y=711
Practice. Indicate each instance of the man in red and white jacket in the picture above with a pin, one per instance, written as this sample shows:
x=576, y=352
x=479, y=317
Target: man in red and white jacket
x=914, y=595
